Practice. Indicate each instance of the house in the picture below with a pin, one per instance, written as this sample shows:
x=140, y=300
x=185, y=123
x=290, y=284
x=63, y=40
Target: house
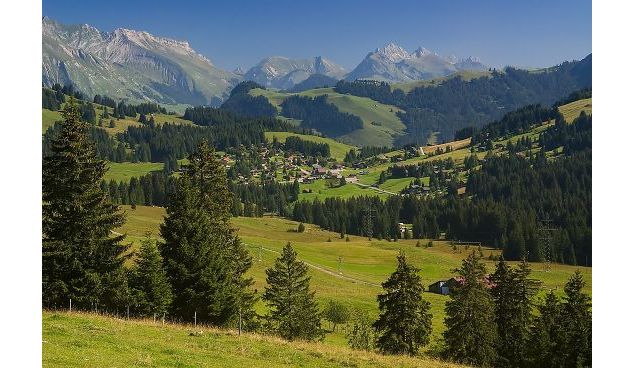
x=439, y=287
x=445, y=287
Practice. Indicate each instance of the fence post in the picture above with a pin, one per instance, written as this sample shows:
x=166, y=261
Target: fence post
x=163, y=319
x=70, y=305
x=194, y=318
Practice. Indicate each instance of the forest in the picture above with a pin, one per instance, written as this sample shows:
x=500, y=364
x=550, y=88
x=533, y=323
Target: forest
x=317, y=113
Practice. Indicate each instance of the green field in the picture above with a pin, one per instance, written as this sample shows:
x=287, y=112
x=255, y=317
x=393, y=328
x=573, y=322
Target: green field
x=89, y=340
x=381, y=123
x=365, y=264
x=124, y=171
x=321, y=190
x=49, y=118
x=572, y=110
x=338, y=149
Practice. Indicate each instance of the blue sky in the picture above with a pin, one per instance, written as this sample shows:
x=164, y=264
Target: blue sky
x=240, y=33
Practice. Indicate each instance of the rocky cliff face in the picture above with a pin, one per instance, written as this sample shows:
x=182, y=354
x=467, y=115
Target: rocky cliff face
x=392, y=63
x=130, y=64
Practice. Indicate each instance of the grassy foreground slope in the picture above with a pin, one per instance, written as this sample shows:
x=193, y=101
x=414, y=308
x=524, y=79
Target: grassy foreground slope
x=88, y=340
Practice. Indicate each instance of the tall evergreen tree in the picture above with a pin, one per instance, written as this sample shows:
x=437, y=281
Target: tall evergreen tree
x=405, y=322
x=576, y=321
x=81, y=259
x=149, y=282
x=470, y=335
x=200, y=248
x=547, y=335
x=513, y=292
x=294, y=312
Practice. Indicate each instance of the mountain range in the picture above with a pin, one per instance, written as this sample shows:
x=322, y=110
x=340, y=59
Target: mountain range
x=392, y=63
x=139, y=66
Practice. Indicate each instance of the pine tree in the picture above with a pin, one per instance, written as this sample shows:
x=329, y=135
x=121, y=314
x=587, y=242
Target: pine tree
x=576, y=322
x=470, y=335
x=513, y=293
x=149, y=281
x=200, y=248
x=294, y=312
x=81, y=259
x=405, y=322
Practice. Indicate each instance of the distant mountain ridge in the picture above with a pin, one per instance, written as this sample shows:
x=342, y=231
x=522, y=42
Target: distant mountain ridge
x=130, y=64
x=392, y=63
x=283, y=73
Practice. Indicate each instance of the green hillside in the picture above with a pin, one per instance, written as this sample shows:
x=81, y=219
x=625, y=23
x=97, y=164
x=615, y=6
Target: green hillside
x=466, y=75
x=338, y=149
x=381, y=123
x=88, y=340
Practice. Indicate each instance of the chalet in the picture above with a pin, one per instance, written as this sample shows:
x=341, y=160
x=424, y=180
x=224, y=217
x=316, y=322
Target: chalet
x=444, y=287
x=439, y=287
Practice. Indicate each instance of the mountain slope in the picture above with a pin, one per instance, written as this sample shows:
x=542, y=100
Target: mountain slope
x=392, y=63
x=283, y=73
x=130, y=64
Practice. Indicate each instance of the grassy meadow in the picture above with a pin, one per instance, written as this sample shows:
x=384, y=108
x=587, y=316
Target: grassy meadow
x=124, y=171
x=365, y=264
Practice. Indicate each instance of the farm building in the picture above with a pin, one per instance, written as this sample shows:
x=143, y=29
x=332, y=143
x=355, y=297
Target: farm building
x=440, y=287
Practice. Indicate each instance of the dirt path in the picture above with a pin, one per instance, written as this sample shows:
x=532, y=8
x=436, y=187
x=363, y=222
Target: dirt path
x=323, y=269
x=377, y=189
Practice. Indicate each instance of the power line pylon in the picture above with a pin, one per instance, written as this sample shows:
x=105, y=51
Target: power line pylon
x=546, y=229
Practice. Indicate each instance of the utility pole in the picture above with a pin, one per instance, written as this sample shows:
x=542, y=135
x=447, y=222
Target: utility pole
x=260, y=254
x=194, y=319
x=240, y=320
x=546, y=229
x=339, y=265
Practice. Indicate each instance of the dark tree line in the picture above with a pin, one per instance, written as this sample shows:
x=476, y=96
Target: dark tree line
x=240, y=102
x=456, y=103
x=52, y=99
x=309, y=148
x=253, y=200
x=364, y=153
x=317, y=113
x=516, y=122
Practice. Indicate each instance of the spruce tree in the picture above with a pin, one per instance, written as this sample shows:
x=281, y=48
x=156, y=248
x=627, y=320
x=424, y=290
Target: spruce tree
x=81, y=258
x=576, y=322
x=470, y=335
x=513, y=293
x=149, y=282
x=547, y=336
x=405, y=322
x=201, y=249
x=294, y=313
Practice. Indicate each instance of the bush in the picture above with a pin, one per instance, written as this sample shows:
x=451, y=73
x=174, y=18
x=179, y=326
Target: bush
x=360, y=333
x=301, y=228
x=336, y=313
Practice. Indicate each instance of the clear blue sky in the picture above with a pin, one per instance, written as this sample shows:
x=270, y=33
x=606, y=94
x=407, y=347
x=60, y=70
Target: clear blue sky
x=240, y=33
